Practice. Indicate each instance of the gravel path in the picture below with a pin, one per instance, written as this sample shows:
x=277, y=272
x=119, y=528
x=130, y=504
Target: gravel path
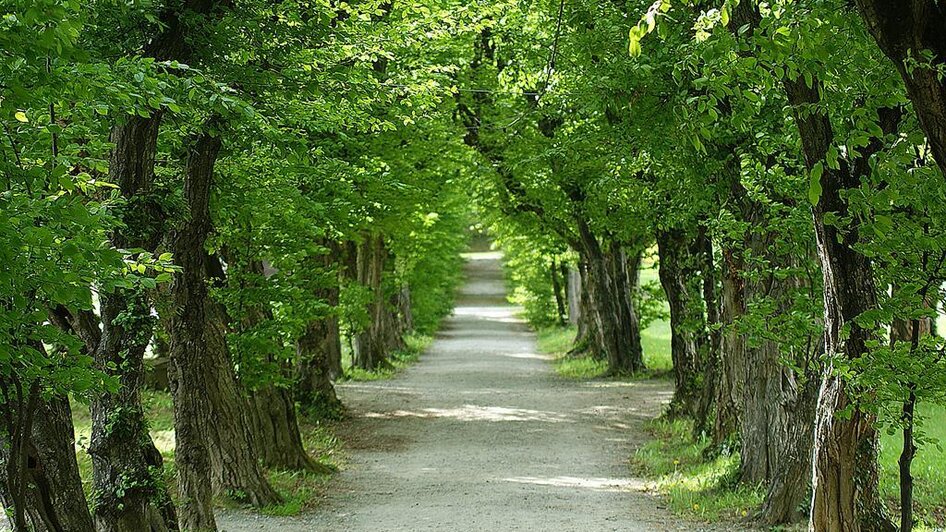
x=481, y=435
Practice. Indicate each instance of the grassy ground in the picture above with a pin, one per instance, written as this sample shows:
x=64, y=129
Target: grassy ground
x=929, y=469
x=693, y=486
x=705, y=489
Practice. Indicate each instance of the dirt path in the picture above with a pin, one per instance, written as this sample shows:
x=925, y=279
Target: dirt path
x=481, y=435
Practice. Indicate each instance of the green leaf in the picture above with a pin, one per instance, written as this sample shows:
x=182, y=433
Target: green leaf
x=814, y=184
x=634, y=43
x=21, y=117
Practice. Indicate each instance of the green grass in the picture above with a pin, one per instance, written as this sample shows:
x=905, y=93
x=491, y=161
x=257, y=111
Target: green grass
x=415, y=345
x=655, y=339
x=929, y=469
x=695, y=487
x=300, y=490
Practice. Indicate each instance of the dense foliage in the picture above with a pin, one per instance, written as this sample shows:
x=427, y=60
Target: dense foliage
x=248, y=189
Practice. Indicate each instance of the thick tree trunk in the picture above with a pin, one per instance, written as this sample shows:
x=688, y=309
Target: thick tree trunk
x=273, y=414
x=127, y=468
x=730, y=370
x=773, y=407
x=586, y=337
x=845, y=484
x=904, y=30
x=373, y=345
x=679, y=276
x=126, y=465
x=210, y=409
x=319, y=352
x=609, y=295
x=53, y=496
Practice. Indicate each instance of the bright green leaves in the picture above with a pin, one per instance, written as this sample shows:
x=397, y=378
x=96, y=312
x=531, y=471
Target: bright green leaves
x=814, y=183
x=646, y=25
x=634, y=41
x=20, y=116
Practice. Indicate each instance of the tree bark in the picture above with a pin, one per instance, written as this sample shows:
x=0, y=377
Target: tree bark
x=573, y=295
x=679, y=276
x=126, y=465
x=712, y=362
x=314, y=389
x=586, y=337
x=276, y=427
x=210, y=409
x=905, y=30
x=610, y=284
x=53, y=499
x=557, y=290
x=319, y=352
x=845, y=484
x=272, y=410
x=373, y=345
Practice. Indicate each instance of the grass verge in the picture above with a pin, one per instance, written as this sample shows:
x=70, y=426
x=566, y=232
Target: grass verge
x=693, y=486
x=929, y=470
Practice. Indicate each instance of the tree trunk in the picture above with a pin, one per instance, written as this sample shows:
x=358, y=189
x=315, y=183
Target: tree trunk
x=907, y=330
x=586, y=337
x=557, y=290
x=314, y=389
x=573, y=295
x=373, y=344
x=127, y=468
x=405, y=310
x=272, y=410
x=609, y=294
x=53, y=499
x=731, y=350
x=679, y=276
x=903, y=30
x=845, y=486
x=273, y=414
x=319, y=351
x=711, y=356
x=210, y=408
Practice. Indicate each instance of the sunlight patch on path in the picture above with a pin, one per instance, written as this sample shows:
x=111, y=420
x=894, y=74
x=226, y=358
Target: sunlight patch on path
x=476, y=413
x=594, y=484
x=483, y=255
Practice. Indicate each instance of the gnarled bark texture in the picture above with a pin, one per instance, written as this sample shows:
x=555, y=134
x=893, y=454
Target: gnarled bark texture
x=53, y=499
x=845, y=478
x=211, y=420
x=681, y=281
x=125, y=462
x=904, y=30
x=611, y=280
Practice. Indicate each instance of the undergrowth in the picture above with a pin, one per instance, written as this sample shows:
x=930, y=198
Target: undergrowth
x=693, y=486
